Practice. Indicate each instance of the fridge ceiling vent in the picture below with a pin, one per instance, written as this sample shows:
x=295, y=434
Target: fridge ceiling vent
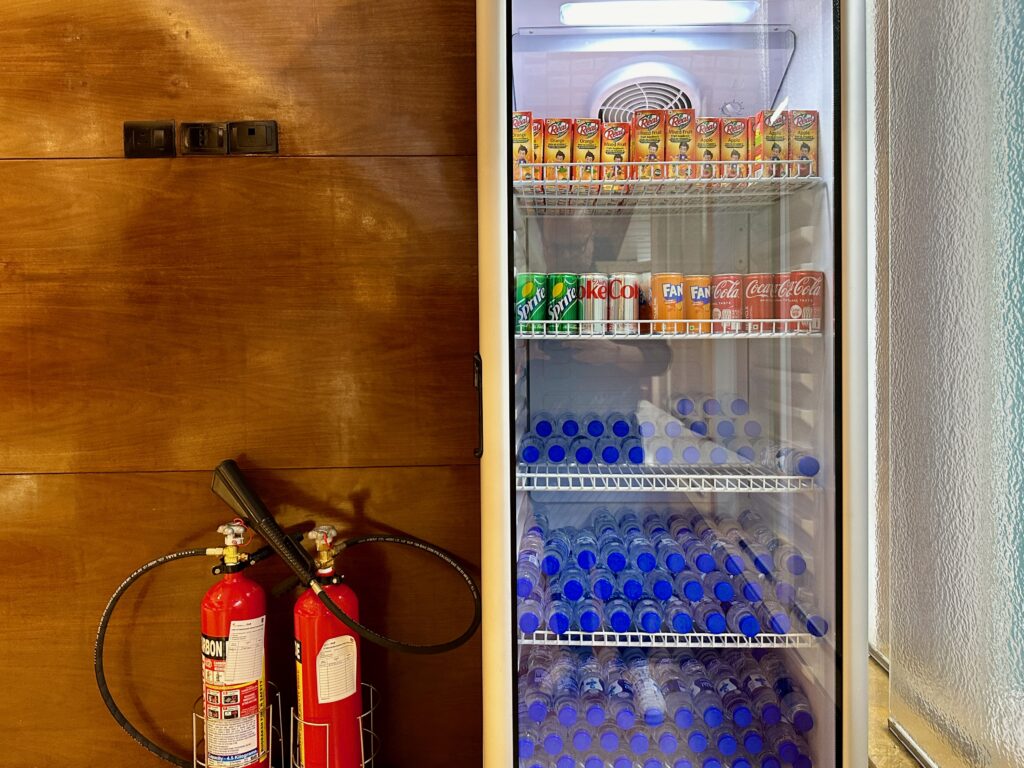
x=663, y=12
x=646, y=85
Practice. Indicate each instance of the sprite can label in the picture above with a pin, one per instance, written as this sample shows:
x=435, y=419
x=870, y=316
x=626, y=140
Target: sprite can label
x=563, y=302
x=531, y=302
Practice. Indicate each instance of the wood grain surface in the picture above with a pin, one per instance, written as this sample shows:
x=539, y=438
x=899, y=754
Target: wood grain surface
x=352, y=78
x=69, y=540
x=161, y=314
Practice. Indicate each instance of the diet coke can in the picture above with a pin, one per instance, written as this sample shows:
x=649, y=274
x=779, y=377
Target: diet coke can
x=759, y=301
x=727, y=302
x=624, y=303
x=799, y=300
x=593, y=303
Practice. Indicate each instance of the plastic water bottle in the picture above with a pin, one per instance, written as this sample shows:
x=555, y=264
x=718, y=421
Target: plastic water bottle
x=618, y=615
x=612, y=552
x=528, y=567
x=647, y=616
x=688, y=451
x=530, y=612
x=629, y=523
x=537, y=521
x=609, y=738
x=678, y=704
x=567, y=695
x=593, y=695
x=741, y=619
x=619, y=686
x=702, y=690
x=668, y=552
x=660, y=451
x=697, y=554
x=683, y=405
x=646, y=693
x=732, y=533
x=622, y=761
x=766, y=760
x=795, y=706
x=565, y=760
x=697, y=740
x=665, y=740
x=725, y=740
x=531, y=449
x=751, y=740
x=631, y=584
x=632, y=451
x=717, y=583
x=553, y=739
x=742, y=448
x=557, y=450
x=782, y=740
x=608, y=450
x=748, y=587
x=708, y=617
x=572, y=582
x=592, y=760
x=785, y=592
x=752, y=429
x=557, y=613
x=722, y=428
x=528, y=736
x=567, y=424
x=556, y=551
x=755, y=685
x=678, y=616
x=688, y=585
x=698, y=427
x=728, y=558
x=734, y=405
x=584, y=549
x=581, y=450
x=638, y=740
x=783, y=553
x=795, y=462
x=543, y=424
x=659, y=583
x=728, y=688
x=773, y=617
x=709, y=406
x=603, y=522
x=641, y=552
x=810, y=617
x=620, y=424
x=602, y=583
x=589, y=615
x=581, y=737
x=592, y=424
x=538, y=684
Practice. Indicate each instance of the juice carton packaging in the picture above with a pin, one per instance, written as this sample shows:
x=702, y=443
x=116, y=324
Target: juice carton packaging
x=735, y=147
x=615, y=142
x=709, y=145
x=557, y=148
x=648, y=143
x=522, y=145
x=803, y=142
x=771, y=142
x=586, y=149
x=681, y=143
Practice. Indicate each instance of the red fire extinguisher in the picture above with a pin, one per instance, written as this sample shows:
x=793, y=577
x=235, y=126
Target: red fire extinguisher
x=328, y=668
x=233, y=621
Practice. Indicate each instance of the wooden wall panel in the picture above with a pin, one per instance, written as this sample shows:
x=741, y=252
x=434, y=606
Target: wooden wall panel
x=162, y=314
x=382, y=77
x=68, y=540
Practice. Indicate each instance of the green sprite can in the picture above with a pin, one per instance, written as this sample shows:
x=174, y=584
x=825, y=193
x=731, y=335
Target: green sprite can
x=563, y=302
x=531, y=302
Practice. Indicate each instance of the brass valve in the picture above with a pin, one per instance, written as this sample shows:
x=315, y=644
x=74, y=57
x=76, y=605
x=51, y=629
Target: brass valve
x=323, y=536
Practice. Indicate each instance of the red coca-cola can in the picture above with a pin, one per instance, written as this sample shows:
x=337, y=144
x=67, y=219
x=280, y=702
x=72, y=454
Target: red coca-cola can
x=624, y=303
x=798, y=300
x=759, y=301
x=726, y=302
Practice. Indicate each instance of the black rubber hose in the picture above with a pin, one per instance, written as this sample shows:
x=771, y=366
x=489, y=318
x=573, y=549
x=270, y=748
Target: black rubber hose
x=101, y=680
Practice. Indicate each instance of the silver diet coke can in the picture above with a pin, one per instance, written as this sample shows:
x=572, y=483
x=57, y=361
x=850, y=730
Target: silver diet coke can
x=593, y=303
x=624, y=303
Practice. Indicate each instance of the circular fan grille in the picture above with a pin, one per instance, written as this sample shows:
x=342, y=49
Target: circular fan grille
x=619, y=105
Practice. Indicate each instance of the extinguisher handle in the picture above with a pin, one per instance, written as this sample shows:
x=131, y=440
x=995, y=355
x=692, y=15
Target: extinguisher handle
x=229, y=484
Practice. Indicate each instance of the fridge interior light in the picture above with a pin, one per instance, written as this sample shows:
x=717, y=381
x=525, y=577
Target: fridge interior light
x=646, y=13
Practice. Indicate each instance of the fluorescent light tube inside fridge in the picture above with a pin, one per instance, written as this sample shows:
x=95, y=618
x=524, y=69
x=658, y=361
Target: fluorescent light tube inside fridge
x=657, y=13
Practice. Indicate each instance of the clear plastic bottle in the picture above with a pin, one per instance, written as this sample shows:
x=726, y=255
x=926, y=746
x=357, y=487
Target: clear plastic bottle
x=696, y=553
x=659, y=583
x=728, y=688
x=678, y=616
x=528, y=737
x=528, y=572
x=584, y=548
x=795, y=706
x=593, y=696
x=689, y=585
x=647, y=694
x=536, y=522
x=612, y=552
x=638, y=740
x=592, y=424
x=632, y=451
x=752, y=429
x=785, y=592
x=629, y=522
x=751, y=740
x=572, y=582
x=537, y=686
x=688, y=451
x=660, y=451
x=722, y=427
x=668, y=552
x=748, y=587
x=623, y=761
x=782, y=740
x=565, y=702
x=697, y=740
x=678, y=703
x=756, y=686
x=773, y=617
x=565, y=760
x=731, y=532
x=602, y=521
x=683, y=405
x=724, y=740
x=609, y=738
x=702, y=690
x=641, y=552
x=727, y=558
x=808, y=615
x=589, y=615
x=609, y=450
x=654, y=762
x=593, y=760
x=557, y=613
x=647, y=616
x=717, y=583
x=740, y=618
x=618, y=684
x=796, y=462
x=653, y=522
x=709, y=405
x=581, y=450
x=733, y=404
x=531, y=449
x=567, y=425
x=618, y=614
x=766, y=760
x=556, y=450
x=602, y=583
x=530, y=612
x=743, y=448
x=543, y=424
x=557, y=548
x=631, y=584
x=554, y=737
x=620, y=425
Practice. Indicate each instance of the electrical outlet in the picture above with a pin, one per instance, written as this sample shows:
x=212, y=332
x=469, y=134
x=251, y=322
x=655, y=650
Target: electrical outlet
x=252, y=137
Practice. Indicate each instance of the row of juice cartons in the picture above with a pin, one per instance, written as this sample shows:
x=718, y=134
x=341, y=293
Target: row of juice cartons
x=660, y=143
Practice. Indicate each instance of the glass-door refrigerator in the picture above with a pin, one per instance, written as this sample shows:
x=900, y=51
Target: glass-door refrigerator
x=669, y=531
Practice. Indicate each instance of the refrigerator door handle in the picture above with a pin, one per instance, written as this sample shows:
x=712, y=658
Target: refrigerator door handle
x=478, y=382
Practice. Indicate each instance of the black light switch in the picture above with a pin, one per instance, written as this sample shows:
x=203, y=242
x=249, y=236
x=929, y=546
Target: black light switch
x=204, y=138
x=252, y=137
x=149, y=138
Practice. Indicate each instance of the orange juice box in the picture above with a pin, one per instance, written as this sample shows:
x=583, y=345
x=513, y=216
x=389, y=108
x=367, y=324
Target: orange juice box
x=681, y=143
x=648, y=143
x=735, y=147
x=709, y=145
x=586, y=149
x=771, y=142
x=538, y=140
x=522, y=145
x=803, y=142
x=615, y=154
x=557, y=148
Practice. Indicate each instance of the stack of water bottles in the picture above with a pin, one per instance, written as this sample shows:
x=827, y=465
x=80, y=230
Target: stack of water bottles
x=657, y=571
x=591, y=439
x=660, y=709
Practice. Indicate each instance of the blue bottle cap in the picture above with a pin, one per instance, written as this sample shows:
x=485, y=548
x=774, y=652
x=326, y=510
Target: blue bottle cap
x=699, y=428
x=719, y=455
x=567, y=715
x=742, y=716
x=633, y=589
x=682, y=623
x=675, y=562
x=683, y=717
x=752, y=591
x=750, y=627
x=531, y=454
x=622, y=762
x=817, y=625
x=785, y=592
x=524, y=587
x=734, y=564
x=697, y=741
x=691, y=454
x=528, y=623
x=726, y=429
x=616, y=562
x=746, y=452
x=565, y=761
x=573, y=589
x=752, y=428
x=609, y=741
x=584, y=455
x=705, y=563
x=650, y=622
x=586, y=559
x=770, y=761
x=779, y=623
x=739, y=407
x=693, y=590
x=796, y=564
x=771, y=714
x=788, y=751
x=723, y=591
x=654, y=717
x=808, y=466
x=803, y=721
x=595, y=715
x=558, y=623
x=648, y=429
x=668, y=743
x=663, y=455
x=752, y=742
x=638, y=743
x=556, y=453
x=551, y=565
x=682, y=762
x=581, y=739
x=646, y=562
x=713, y=717
x=740, y=762
x=712, y=407
x=570, y=427
x=620, y=428
x=603, y=588
x=764, y=562
x=619, y=621
x=802, y=761
x=543, y=428
x=684, y=406
x=525, y=747
x=590, y=621
x=625, y=719
x=653, y=762
x=610, y=454
x=553, y=744
x=712, y=762
x=636, y=454
x=727, y=744
x=537, y=711
x=663, y=589
x=593, y=762
x=673, y=429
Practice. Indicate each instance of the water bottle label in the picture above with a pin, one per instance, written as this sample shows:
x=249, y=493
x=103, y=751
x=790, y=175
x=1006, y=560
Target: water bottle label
x=674, y=686
x=701, y=685
x=591, y=685
x=536, y=677
x=754, y=683
x=567, y=686
x=620, y=689
x=529, y=557
x=727, y=687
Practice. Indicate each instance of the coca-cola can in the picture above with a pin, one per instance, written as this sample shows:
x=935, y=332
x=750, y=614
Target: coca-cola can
x=759, y=301
x=798, y=300
x=726, y=302
x=624, y=303
x=593, y=303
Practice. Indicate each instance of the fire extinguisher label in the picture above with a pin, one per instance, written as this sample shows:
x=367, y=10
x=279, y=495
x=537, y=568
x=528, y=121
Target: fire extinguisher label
x=336, y=669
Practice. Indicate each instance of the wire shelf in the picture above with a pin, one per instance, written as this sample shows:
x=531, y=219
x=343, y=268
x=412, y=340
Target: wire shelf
x=672, y=478
x=669, y=640
x=677, y=186
x=653, y=330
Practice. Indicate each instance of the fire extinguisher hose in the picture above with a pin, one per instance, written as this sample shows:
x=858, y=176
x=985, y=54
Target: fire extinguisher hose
x=101, y=634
